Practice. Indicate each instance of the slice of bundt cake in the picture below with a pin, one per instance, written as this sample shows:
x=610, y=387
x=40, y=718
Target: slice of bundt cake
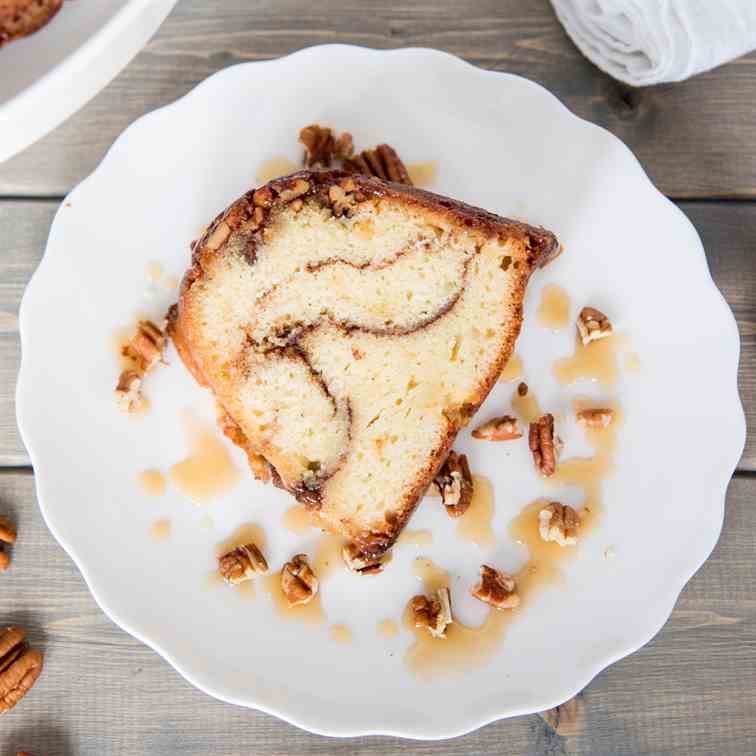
x=19, y=18
x=350, y=327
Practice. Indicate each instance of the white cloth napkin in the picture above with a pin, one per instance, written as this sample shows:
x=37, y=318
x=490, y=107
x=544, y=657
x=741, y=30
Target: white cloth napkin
x=645, y=42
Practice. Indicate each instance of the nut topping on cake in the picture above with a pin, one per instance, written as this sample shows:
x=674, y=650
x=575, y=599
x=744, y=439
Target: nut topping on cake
x=298, y=581
x=596, y=418
x=433, y=614
x=496, y=588
x=454, y=481
x=592, y=324
x=242, y=564
x=383, y=162
x=559, y=522
x=359, y=562
x=499, y=429
x=544, y=445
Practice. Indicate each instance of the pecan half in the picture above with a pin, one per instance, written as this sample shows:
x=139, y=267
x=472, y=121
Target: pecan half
x=433, y=614
x=359, y=562
x=454, y=481
x=592, y=324
x=383, y=162
x=559, y=522
x=242, y=563
x=499, y=429
x=544, y=445
x=596, y=418
x=321, y=147
x=298, y=581
x=20, y=667
x=496, y=588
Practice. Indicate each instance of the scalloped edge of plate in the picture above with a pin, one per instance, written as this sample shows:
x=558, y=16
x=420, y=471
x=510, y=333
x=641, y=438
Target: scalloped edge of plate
x=657, y=614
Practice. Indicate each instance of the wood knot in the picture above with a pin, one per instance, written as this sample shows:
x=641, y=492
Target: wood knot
x=624, y=101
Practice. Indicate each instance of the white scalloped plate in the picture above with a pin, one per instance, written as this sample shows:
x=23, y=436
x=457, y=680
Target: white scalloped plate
x=503, y=143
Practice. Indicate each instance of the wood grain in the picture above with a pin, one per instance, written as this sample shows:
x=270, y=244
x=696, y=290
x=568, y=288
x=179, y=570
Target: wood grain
x=689, y=691
x=695, y=138
x=728, y=231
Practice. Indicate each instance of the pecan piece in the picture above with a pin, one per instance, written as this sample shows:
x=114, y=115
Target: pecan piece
x=321, y=147
x=298, y=581
x=146, y=346
x=592, y=324
x=544, y=444
x=496, y=588
x=383, y=162
x=342, y=201
x=7, y=530
x=7, y=535
x=499, y=429
x=559, y=522
x=20, y=667
x=433, y=614
x=522, y=389
x=295, y=190
x=128, y=391
x=361, y=563
x=596, y=418
x=241, y=564
x=454, y=481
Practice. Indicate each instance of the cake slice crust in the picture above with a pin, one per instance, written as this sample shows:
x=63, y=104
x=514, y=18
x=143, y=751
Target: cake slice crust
x=350, y=327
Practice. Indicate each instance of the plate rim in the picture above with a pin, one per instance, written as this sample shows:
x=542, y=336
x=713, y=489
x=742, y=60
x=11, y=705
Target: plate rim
x=662, y=607
x=25, y=105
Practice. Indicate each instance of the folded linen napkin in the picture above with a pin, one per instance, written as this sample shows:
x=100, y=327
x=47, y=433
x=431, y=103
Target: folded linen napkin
x=645, y=42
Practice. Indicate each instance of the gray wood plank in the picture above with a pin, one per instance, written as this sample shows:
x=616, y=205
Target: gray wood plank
x=728, y=231
x=694, y=138
x=689, y=691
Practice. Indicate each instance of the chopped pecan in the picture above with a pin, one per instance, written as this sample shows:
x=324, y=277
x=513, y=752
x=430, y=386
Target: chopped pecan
x=19, y=667
x=544, y=444
x=7, y=530
x=241, y=564
x=382, y=162
x=499, y=429
x=592, y=324
x=342, y=202
x=596, y=418
x=361, y=563
x=295, y=190
x=145, y=350
x=433, y=614
x=454, y=481
x=522, y=389
x=496, y=588
x=146, y=346
x=298, y=581
x=559, y=522
x=321, y=147
x=128, y=391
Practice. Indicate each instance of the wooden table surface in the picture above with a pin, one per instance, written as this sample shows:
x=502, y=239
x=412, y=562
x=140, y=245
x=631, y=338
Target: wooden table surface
x=692, y=690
